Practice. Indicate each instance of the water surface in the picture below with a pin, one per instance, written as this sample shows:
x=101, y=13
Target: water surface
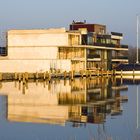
x=84, y=109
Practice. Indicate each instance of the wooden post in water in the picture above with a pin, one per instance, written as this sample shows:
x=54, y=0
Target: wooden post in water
x=26, y=76
x=111, y=72
x=90, y=75
x=56, y=73
x=19, y=77
x=44, y=76
x=86, y=73
x=36, y=75
x=0, y=76
x=98, y=73
x=49, y=76
x=23, y=78
x=102, y=72
x=121, y=73
x=133, y=74
x=65, y=74
x=82, y=72
x=107, y=73
x=72, y=75
x=16, y=76
x=115, y=72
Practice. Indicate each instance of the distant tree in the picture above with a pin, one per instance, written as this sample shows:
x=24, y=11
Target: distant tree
x=132, y=54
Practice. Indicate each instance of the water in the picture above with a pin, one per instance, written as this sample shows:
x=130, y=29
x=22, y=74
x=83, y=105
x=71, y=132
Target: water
x=83, y=109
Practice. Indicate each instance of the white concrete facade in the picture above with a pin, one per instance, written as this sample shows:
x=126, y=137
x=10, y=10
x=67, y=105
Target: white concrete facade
x=32, y=66
x=35, y=53
x=37, y=50
x=32, y=38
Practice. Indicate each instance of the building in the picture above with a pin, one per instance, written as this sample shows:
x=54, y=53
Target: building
x=106, y=51
x=84, y=46
x=40, y=50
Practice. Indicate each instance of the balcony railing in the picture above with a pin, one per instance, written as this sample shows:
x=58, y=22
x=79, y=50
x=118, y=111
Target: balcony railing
x=120, y=57
x=104, y=44
x=116, y=34
x=110, y=45
x=93, y=56
x=124, y=46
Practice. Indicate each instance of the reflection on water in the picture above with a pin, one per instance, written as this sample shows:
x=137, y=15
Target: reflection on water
x=80, y=101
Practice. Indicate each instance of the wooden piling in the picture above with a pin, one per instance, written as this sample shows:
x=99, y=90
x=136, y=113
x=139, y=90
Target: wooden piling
x=49, y=78
x=47, y=75
x=72, y=75
x=107, y=73
x=65, y=74
x=82, y=73
x=101, y=72
x=90, y=75
x=15, y=76
x=98, y=73
x=121, y=73
x=19, y=77
x=44, y=76
x=0, y=76
x=23, y=78
x=26, y=76
x=86, y=73
x=36, y=75
x=133, y=73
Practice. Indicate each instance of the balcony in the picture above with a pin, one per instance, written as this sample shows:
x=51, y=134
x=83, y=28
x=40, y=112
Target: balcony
x=90, y=56
x=104, y=44
x=117, y=34
x=94, y=57
x=120, y=59
x=124, y=46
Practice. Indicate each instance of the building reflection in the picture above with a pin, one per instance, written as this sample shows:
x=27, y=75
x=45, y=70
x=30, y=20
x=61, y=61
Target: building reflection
x=79, y=101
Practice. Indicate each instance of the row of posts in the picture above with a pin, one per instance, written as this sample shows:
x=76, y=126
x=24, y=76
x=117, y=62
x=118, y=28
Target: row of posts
x=48, y=75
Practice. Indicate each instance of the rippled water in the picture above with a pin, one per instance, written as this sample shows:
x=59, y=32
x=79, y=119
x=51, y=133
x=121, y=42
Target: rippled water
x=84, y=109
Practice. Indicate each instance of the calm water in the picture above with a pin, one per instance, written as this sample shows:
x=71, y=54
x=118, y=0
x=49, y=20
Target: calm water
x=83, y=109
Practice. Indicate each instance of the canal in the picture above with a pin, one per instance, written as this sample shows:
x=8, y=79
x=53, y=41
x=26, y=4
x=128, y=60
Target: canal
x=99, y=108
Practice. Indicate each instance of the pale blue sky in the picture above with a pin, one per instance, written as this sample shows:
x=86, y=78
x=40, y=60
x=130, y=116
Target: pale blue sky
x=118, y=15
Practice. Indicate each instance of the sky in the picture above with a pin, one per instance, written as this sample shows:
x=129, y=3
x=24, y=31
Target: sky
x=118, y=15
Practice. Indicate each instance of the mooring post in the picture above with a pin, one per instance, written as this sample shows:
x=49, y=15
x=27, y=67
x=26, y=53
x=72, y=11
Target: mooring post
x=16, y=76
x=23, y=78
x=72, y=75
x=49, y=76
x=98, y=73
x=82, y=71
x=107, y=73
x=90, y=74
x=0, y=76
x=65, y=74
x=133, y=73
x=121, y=73
x=36, y=75
x=26, y=76
x=44, y=75
x=19, y=77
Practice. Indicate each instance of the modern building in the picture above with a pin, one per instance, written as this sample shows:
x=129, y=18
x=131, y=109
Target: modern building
x=104, y=50
x=84, y=46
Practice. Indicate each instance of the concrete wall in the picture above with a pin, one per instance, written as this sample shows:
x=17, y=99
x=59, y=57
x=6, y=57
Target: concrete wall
x=32, y=52
x=33, y=65
x=48, y=37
